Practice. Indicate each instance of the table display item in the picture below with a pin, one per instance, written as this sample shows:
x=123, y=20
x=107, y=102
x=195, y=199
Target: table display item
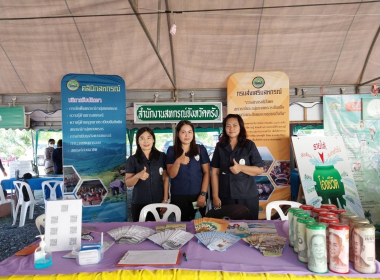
x=42, y=255
x=131, y=235
x=345, y=217
x=363, y=239
x=255, y=239
x=27, y=250
x=326, y=214
x=63, y=224
x=171, y=227
x=210, y=224
x=272, y=246
x=150, y=257
x=262, y=228
x=171, y=239
x=90, y=253
x=295, y=217
x=316, y=245
x=239, y=229
x=338, y=246
x=301, y=237
x=316, y=212
x=307, y=208
x=352, y=222
x=216, y=240
x=291, y=212
x=328, y=206
x=338, y=211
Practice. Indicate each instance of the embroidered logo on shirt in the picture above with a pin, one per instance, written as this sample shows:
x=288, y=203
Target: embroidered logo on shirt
x=242, y=161
x=161, y=170
x=197, y=157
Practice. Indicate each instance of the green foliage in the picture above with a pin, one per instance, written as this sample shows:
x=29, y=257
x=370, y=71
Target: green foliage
x=44, y=136
x=14, y=141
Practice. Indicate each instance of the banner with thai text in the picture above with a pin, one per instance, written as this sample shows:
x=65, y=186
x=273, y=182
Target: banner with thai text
x=94, y=145
x=325, y=173
x=262, y=100
x=343, y=116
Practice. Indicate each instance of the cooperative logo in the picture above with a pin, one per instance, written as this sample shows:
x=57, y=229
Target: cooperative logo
x=73, y=85
x=258, y=82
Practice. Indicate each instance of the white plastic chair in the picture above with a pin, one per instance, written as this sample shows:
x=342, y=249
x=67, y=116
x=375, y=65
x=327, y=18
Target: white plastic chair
x=171, y=208
x=40, y=222
x=276, y=206
x=52, y=185
x=3, y=200
x=19, y=185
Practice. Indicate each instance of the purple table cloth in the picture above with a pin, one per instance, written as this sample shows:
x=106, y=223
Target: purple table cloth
x=238, y=258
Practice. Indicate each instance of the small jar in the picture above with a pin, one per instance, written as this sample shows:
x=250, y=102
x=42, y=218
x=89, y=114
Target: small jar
x=295, y=218
x=338, y=211
x=352, y=222
x=326, y=215
x=316, y=248
x=301, y=237
x=345, y=217
x=338, y=244
x=329, y=206
x=364, y=248
x=291, y=211
x=316, y=212
x=307, y=208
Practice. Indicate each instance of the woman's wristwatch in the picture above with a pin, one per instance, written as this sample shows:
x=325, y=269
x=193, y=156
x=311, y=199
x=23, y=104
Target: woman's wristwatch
x=165, y=200
x=203, y=194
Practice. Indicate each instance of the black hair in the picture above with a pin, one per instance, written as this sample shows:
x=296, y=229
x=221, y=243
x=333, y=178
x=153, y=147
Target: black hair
x=51, y=140
x=178, y=151
x=154, y=153
x=59, y=143
x=242, y=137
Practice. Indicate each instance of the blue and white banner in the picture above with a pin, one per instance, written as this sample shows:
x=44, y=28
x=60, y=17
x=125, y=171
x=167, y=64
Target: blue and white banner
x=94, y=144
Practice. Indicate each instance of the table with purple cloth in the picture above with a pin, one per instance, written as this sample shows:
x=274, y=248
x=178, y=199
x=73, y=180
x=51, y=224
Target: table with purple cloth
x=237, y=262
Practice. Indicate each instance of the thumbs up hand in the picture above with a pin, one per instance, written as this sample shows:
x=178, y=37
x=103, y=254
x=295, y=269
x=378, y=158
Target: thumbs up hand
x=183, y=159
x=143, y=175
x=235, y=169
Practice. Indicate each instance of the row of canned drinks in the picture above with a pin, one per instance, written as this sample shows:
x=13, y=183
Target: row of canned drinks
x=329, y=238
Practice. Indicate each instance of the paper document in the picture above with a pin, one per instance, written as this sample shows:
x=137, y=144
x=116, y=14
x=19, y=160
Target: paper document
x=150, y=257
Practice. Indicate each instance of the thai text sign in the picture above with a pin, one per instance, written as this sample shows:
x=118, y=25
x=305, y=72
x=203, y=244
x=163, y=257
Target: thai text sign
x=201, y=112
x=12, y=117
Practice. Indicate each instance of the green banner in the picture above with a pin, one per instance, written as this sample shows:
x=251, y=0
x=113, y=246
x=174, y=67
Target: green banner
x=205, y=112
x=12, y=117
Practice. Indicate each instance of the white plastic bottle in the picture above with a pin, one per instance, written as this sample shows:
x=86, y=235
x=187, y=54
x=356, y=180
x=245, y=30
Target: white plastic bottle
x=42, y=255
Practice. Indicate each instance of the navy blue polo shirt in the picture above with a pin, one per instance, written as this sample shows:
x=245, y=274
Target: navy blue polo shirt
x=241, y=185
x=152, y=189
x=189, y=178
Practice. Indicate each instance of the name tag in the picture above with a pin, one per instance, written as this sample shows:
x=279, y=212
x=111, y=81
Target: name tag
x=161, y=170
x=197, y=157
x=242, y=161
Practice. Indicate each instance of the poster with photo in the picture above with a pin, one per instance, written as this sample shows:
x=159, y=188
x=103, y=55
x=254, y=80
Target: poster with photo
x=325, y=173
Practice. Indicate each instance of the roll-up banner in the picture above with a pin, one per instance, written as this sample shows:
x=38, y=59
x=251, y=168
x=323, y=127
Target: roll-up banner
x=94, y=145
x=357, y=119
x=262, y=100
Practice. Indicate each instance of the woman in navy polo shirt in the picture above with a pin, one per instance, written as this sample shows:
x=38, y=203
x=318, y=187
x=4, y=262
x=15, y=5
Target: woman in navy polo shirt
x=146, y=170
x=188, y=165
x=235, y=162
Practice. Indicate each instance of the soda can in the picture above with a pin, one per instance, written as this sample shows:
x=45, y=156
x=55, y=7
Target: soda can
x=328, y=206
x=338, y=244
x=326, y=215
x=316, y=212
x=301, y=237
x=295, y=217
x=338, y=211
x=307, y=208
x=345, y=217
x=364, y=248
x=316, y=248
x=352, y=222
x=291, y=211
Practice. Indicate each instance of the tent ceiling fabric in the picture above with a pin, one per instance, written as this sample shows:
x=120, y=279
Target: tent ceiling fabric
x=314, y=45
